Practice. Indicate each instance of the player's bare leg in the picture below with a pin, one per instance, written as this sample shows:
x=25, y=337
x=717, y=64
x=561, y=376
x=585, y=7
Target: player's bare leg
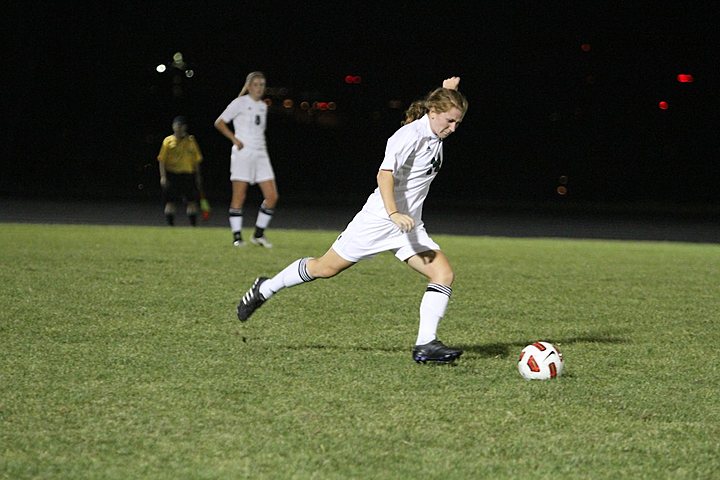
x=329, y=265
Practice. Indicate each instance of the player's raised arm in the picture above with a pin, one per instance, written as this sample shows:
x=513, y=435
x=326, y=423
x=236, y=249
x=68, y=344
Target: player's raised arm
x=451, y=83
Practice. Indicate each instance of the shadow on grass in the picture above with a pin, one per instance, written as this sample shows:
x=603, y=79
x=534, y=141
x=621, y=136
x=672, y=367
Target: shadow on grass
x=490, y=350
x=503, y=350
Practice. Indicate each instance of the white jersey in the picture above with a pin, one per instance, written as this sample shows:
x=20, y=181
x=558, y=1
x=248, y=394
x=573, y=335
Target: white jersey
x=249, y=118
x=414, y=154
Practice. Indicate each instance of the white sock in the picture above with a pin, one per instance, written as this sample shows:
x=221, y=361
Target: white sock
x=432, y=309
x=235, y=219
x=294, y=274
x=264, y=216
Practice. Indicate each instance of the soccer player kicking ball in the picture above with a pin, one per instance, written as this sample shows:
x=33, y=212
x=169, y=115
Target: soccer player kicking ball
x=391, y=220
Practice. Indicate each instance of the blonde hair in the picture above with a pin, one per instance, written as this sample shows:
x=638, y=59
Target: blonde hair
x=441, y=100
x=248, y=80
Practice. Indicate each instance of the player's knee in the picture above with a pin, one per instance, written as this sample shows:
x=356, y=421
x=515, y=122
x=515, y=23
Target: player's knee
x=271, y=200
x=169, y=208
x=319, y=269
x=444, y=276
x=324, y=272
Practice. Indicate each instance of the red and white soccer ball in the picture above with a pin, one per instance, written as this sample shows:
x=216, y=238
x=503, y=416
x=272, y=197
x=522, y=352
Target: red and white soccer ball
x=540, y=361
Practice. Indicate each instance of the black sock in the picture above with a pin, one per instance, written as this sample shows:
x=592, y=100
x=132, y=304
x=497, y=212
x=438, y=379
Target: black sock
x=170, y=219
x=259, y=232
x=193, y=220
x=237, y=236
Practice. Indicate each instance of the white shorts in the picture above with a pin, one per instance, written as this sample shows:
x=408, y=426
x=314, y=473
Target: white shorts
x=251, y=166
x=367, y=235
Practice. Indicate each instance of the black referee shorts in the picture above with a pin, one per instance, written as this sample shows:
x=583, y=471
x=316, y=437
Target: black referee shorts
x=180, y=186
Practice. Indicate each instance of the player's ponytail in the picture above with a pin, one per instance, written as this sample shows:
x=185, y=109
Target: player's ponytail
x=416, y=110
x=440, y=100
x=251, y=76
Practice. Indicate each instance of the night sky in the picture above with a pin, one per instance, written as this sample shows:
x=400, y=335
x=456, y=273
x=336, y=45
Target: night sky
x=562, y=94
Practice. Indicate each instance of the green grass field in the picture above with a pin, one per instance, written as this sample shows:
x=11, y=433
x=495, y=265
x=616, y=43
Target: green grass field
x=121, y=358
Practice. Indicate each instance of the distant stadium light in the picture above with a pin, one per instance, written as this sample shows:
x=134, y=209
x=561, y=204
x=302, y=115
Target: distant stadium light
x=685, y=78
x=663, y=105
x=353, y=79
x=160, y=68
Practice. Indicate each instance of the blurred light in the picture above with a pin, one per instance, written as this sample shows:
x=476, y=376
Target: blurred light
x=268, y=102
x=277, y=91
x=563, y=180
x=585, y=47
x=332, y=106
x=288, y=103
x=353, y=79
x=685, y=78
x=663, y=105
x=395, y=104
x=320, y=105
x=304, y=106
x=178, y=61
x=189, y=73
x=561, y=190
x=161, y=68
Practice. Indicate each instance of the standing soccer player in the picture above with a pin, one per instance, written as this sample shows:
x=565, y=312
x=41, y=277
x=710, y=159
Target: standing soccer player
x=180, y=178
x=391, y=220
x=249, y=159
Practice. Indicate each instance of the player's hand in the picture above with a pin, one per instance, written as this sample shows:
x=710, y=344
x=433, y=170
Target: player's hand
x=404, y=222
x=451, y=83
x=163, y=182
x=238, y=144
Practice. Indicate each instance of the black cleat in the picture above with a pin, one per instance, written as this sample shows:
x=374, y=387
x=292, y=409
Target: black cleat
x=435, y=351
x=251, y=301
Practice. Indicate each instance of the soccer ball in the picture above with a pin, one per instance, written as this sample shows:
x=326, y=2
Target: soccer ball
x=540, y=361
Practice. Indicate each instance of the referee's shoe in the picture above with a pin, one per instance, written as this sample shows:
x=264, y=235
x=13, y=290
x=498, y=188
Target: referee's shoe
x=435, y=351
x=251, y=301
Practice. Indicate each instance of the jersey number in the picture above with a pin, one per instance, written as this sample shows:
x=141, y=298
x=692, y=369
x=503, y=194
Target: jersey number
x=436, y=164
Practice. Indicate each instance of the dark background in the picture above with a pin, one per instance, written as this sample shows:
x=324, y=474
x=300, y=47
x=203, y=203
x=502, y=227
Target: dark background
x=86, y=111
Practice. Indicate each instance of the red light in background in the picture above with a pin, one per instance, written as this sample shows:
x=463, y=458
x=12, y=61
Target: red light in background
x=353, y=79
x=585, y=47
x=685, y=78
x=663, y=105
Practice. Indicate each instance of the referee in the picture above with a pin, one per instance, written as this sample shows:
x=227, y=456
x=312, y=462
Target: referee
x=180, y=178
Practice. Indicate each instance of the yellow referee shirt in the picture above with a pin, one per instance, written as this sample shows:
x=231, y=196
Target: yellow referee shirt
x=180, y=155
